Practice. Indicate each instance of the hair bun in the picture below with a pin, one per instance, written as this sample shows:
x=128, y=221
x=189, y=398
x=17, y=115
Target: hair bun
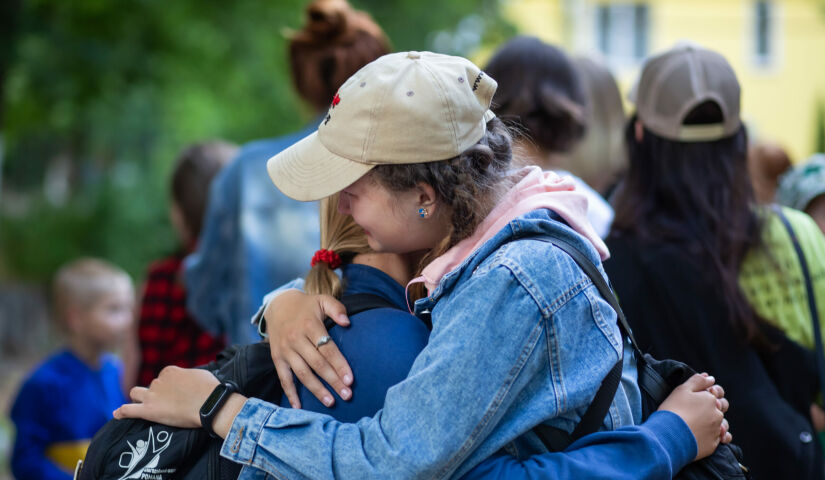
x=329, y=18
x=334, y=43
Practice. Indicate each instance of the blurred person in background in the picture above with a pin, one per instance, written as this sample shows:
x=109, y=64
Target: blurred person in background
x=803, y=188
x=691, y=260
x=600, y=157
x=542, y=98
x=66, y=399
x=167, y=333
x=766, y=162
x=254, y=237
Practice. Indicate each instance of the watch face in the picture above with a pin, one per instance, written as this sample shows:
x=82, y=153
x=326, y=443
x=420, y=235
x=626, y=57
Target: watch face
x=213, y=399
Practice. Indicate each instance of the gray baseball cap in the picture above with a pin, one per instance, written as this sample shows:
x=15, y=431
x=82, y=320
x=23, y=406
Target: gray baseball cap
x=675, y=82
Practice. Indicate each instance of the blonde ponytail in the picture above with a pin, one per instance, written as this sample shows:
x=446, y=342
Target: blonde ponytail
x=339, y=234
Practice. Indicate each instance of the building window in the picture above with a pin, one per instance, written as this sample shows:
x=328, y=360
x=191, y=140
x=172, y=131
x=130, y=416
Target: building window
x=622, y=31
x=763, y=32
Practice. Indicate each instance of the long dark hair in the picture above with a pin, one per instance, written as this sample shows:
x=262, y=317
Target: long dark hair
x=697, y=194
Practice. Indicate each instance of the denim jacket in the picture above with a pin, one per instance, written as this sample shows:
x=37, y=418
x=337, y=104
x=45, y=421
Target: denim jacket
x=520, y=337
x=254, y=238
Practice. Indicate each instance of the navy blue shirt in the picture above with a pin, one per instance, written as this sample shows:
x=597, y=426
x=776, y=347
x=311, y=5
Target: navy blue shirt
x=380, y=346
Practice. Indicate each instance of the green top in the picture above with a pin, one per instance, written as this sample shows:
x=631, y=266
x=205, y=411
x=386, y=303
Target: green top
x=771, y=277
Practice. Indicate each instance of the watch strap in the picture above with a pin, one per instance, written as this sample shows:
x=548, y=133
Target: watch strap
x=207, y=413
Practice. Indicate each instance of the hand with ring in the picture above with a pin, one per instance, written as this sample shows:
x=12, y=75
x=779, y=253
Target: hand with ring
x=299, y=343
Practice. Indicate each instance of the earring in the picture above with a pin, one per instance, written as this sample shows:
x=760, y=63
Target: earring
x=422, y=212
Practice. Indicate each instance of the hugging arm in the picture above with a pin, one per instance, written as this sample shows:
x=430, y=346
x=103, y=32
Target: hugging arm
x=688, y=426
x=442, y=414
x=291, y=442
x=657, y=449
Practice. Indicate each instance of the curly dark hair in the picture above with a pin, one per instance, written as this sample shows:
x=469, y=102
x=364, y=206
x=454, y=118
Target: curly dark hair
x=469, y=184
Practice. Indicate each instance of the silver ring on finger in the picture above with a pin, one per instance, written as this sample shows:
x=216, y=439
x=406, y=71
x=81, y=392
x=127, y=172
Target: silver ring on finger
x=323, y=341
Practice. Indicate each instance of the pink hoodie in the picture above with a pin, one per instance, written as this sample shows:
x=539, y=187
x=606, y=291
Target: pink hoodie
x=537, y=189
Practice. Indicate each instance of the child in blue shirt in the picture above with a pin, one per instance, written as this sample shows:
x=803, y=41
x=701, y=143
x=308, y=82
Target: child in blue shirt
x=65, y=400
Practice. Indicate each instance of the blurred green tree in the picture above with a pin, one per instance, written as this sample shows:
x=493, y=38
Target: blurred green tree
x=97, y=98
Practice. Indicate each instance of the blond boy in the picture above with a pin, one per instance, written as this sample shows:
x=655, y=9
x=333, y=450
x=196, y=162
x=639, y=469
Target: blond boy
x=72, y=394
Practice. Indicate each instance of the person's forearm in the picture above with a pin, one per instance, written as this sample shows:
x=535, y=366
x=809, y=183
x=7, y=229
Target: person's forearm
x=655, y=450
x=226, y=415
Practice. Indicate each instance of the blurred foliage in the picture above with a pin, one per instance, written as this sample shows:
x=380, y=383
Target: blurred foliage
x=98, y=97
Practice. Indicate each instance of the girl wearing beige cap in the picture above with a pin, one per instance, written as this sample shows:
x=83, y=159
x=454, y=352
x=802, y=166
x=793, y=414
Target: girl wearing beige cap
x=520, y=335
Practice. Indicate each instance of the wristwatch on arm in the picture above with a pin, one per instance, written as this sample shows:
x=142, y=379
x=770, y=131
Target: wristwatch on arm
x=213, y=404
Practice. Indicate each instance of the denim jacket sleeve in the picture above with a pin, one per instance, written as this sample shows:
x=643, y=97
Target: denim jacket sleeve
x=478, y=384
x=211, y=281
x=655, y=450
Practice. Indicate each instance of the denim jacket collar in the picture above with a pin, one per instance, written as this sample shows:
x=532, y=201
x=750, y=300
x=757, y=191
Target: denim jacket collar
x=535, y=223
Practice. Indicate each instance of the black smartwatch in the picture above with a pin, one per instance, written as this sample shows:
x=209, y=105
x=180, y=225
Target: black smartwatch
x=214, y=403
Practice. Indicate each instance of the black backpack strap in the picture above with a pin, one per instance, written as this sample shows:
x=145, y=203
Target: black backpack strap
x=803, y=263
x=361, y=302
x=598, y=280
x=555, y=439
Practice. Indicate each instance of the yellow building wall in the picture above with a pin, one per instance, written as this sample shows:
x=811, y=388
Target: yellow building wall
x=779, y=100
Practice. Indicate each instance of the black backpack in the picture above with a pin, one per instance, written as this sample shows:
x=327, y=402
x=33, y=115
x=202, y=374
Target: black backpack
x=139, y=449
x=657, y=378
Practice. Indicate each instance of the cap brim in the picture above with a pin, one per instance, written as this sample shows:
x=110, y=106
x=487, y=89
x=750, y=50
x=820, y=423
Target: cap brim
x=308, y=171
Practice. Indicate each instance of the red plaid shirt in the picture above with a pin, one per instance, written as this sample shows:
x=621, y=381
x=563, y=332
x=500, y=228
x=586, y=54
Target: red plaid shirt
x=168, y=334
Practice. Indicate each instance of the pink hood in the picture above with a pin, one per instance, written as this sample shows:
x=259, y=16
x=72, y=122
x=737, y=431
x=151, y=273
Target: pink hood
x=537, y=189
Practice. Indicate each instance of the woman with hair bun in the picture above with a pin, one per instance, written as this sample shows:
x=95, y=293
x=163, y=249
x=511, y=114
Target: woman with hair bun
x=254, y=237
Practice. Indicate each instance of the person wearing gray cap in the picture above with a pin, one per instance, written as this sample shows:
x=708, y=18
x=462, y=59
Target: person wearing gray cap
x=684, y=244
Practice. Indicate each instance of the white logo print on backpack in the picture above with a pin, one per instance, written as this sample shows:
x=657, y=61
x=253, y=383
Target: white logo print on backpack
x=142, y=458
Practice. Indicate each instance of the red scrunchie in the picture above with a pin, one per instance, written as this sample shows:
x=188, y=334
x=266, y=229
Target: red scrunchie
x=326, y=256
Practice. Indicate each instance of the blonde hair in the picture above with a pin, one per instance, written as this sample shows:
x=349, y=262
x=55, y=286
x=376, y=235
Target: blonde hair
x=342, y=235
x=82, y=282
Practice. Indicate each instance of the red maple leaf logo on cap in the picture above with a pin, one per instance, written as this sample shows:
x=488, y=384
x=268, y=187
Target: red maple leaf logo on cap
x=336, y=100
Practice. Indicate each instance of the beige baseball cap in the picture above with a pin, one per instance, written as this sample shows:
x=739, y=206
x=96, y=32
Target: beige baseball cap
x=409, y=107
x=675, y=82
